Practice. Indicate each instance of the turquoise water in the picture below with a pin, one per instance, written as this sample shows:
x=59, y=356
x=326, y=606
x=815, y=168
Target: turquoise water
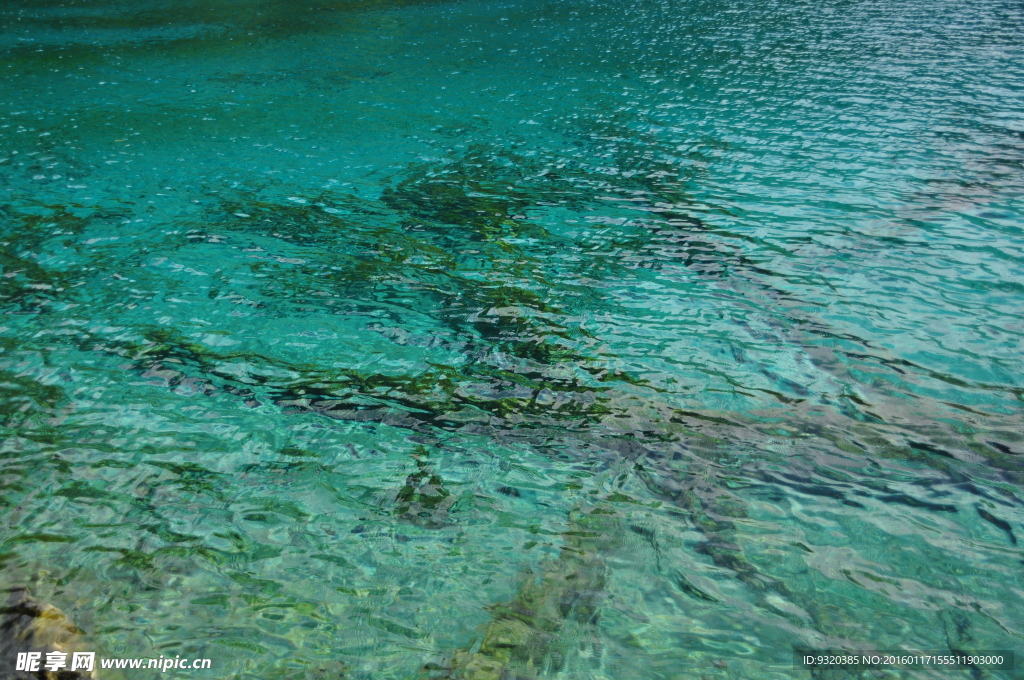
x=515, y=339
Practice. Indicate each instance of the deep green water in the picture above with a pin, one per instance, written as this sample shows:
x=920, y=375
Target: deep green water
x=604, y=340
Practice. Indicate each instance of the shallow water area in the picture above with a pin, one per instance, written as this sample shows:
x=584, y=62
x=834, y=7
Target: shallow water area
x=472, y=339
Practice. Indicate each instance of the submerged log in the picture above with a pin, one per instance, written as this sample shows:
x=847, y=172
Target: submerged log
x=524, y=639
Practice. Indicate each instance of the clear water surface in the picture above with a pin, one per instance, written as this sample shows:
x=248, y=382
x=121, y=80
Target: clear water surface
x=514, y=338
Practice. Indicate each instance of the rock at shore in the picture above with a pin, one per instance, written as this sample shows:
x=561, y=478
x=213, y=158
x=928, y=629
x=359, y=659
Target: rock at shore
x=29, y=625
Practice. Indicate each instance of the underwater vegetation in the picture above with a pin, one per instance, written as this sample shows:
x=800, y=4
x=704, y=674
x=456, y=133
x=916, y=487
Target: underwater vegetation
x=463, y=248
